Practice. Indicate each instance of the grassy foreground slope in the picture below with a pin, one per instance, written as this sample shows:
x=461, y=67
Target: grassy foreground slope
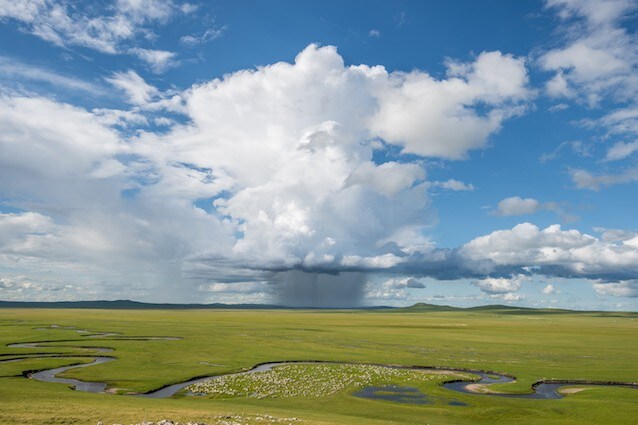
x=532, y=345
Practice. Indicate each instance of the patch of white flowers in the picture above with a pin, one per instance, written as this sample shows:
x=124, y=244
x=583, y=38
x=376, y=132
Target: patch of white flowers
x=305, y=380
x=231, y=420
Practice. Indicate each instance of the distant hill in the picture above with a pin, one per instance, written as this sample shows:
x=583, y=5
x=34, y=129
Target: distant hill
x=129, y=305
x=416, y=308
x=509, y=309
x=136, y=305
x=419, y=307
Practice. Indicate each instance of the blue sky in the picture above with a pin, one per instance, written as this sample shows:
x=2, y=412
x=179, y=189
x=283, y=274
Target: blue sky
x=366, y=153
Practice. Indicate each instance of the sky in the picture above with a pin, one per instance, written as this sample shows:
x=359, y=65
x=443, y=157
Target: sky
x=334, y=154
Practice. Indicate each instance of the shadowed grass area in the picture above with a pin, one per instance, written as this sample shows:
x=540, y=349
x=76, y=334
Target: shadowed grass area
x=544, y=345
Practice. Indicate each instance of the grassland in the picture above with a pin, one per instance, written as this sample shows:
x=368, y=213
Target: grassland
x=531, y=345
x=311, y=380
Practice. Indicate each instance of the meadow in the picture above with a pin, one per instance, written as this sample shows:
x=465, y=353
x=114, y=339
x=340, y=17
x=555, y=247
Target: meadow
x=531, y=345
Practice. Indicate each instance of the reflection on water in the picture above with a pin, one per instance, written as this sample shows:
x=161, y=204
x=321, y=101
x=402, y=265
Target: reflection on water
x=394, y=393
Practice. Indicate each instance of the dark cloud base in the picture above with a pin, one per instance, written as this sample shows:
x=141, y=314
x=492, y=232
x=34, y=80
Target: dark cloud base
x=296, y=288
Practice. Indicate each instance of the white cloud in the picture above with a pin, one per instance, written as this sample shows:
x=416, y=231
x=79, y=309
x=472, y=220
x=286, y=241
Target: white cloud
x=549, y=289
x=436, y=118
x=599, y=55
x=568, y=251
x=558, y=107
x=209, y=35
x=13, y=226
x=158, y=60
x=63, y=140
x=16, y=70
x=509, y=297
x=620, y=121
x=138, y=91
x=411, y=239
x=597, y=62
x=576, y=146
x=558, y=86
x=295, y=189
x=454, y=185
x=406, y=282
x=618, y=289
x=614, y=235
x=374, y=33
x=117, y=117
x=105, y=29
x=621, y=150
x=588, y=62
x=586, y=180
x=141, y=11
x=388, y=178
x=298, y=195
x=68, y=169
x=20, y=287
x=237, y=287
x=518, y=206
x=393, y=289
x=595, y=12
x=384, y=261
x=188, y=8
x=492, y=285
x=21, y=10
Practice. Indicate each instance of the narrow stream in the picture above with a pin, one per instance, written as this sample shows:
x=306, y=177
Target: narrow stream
x=49, y=375
x=541, y=390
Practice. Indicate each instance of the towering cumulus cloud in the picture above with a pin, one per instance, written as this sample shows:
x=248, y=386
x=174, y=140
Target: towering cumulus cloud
x=294, y=145
x=275, y=175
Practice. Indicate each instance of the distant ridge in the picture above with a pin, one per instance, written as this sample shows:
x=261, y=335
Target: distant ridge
x=509, y=309
x=429, y=307
x=129, y=305
x=416, y=308
x=137, y=305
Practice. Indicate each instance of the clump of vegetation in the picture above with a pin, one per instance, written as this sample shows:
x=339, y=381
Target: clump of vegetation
x=306, y=380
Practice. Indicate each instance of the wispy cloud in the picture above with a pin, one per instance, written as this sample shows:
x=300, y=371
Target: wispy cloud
x=15, y=70
x=209, y=35
x=575, y=146
x=599, y=55
x=109, y=29
x=621, y=150
x=596, y=62
x=401, y=18
x=139, y=92
x=586, y=180
x=158, y=60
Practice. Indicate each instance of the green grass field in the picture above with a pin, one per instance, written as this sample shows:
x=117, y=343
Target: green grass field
x=531, y=345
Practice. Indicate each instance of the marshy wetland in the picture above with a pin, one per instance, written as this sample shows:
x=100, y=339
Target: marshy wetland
x=318, y=366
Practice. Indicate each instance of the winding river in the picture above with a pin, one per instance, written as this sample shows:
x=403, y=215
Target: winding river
x=540, y=390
